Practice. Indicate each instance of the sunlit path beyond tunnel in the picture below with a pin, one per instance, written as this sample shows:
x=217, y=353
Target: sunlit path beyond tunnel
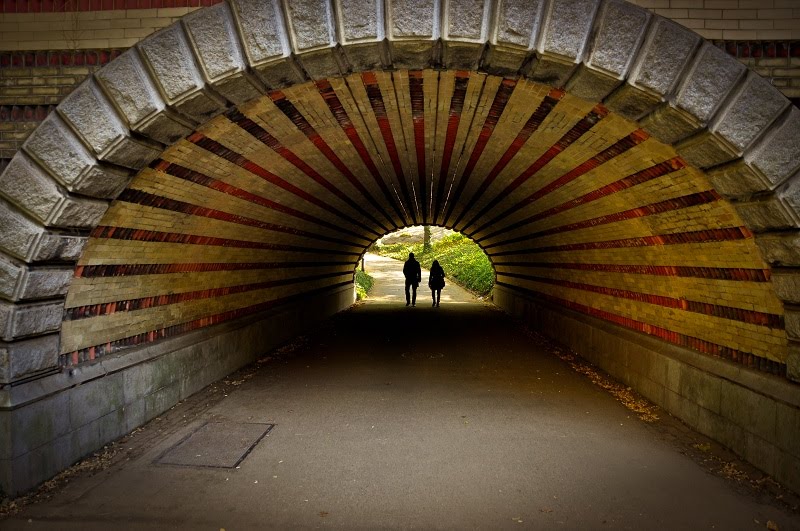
x=396, y=417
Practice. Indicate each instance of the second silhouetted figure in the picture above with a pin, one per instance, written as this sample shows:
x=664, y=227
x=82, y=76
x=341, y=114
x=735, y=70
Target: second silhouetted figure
x=413, y=273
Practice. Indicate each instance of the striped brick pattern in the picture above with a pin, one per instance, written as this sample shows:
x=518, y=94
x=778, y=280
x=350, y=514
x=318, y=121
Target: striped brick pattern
x=278, y=197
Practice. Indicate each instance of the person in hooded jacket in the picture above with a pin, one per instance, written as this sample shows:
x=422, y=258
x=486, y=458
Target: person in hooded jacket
x=436, y=282
x=413, y=273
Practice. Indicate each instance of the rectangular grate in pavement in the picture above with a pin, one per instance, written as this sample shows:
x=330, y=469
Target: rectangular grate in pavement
x=216, y=445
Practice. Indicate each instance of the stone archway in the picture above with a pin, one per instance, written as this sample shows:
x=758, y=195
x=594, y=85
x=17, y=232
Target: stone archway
x=619, y=171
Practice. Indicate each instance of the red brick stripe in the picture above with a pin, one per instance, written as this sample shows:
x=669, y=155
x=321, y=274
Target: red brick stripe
x=453, y=121
x=215, y=184
x=70, y=6
x=712, y=273
x=700, y=236
x=499, y=103
x=139, y=197
x=122, y=233
x=336, y=107
x=375, y=98
x=417, y=96
x=96, y=310
x=726, y=312
x=291, y=112
x=212, y=146
x=707, y=347
x=620, y=147
x=668, y=205
x=91, y=353
x=659, y=170
x=124, y=270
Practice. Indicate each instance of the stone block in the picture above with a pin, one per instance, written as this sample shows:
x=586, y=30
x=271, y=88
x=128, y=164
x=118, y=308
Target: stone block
x=670, y=124
x=161, y=400
x=266, y=42
x=28, y=356
x=212, y=34
x=19, y=235
x=701, y=388
x=788, y=470
x=170, y=59
x=39, y=423
x=631, y=102
x=706, y=149
x=780, y=249
x=145, y=379
x=754, y=107
x=59, y=247
x=29, y=187
x=709, y=80
x=12, y=275
x=361, y=32
x=684, y=409
x=592, y=85
x=95, y=399
x=518, y=24
x=5, y=441
x=620, y=30
x=767, y=214
x=777, y=157
x=721, y=430
x=412, y=30
x=95, y=120
x=57, y=150
x=737, y=180
x=126, y=82
x=788, y=429
x=664, y=55
x=465, y=30
x=786, y=283
x=761, y=452
x=567, y=28
x=754, y=412
x=45, y=283
x=22, y=320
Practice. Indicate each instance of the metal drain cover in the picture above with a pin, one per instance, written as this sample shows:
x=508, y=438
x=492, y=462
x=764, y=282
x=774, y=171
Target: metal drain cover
x=216, y=445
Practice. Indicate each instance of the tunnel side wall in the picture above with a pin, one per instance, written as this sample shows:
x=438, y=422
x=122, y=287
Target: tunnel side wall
x=46, y=427
x=754, y=414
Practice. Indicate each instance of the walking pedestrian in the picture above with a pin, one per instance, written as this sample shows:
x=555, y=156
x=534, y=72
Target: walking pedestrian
x=413, y=273
x=436, y=282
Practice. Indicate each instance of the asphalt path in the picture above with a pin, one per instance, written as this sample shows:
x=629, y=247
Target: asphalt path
x=395, y=417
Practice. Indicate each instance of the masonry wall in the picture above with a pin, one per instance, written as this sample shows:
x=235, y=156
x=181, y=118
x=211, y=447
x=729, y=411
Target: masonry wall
x=62, y=41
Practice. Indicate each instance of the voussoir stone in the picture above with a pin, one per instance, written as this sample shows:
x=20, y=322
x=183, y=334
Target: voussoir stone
x=780, y=249
x=667, y=50
x=755, y=106
x=56, y=148
x=413, y=27
x=361, y=33
x=45, y=283
x=26, y=320
x=710, y=79
x=11, y=278
x=777, y=157
x=96, y=121
x=28, y=356
x=212, y=33
x=59, y=247
x=465, y=31
x=516, y=31
x=126, y=82
x=30, y=187
x=170, y=59
x=20, y=234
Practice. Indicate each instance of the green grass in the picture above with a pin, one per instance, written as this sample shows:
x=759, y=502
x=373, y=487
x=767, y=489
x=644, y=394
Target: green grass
x=364, y=283
x=461, y=258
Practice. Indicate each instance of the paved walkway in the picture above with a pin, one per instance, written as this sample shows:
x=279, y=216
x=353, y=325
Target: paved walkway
x=394, y=417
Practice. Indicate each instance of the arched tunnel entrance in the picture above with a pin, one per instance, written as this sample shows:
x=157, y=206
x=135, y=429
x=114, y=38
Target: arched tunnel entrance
x=633, y=187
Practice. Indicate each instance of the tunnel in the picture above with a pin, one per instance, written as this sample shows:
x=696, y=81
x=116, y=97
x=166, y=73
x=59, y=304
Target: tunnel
x=209, y=193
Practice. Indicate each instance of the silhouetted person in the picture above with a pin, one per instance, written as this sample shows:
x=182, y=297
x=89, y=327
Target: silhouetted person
x=413, y=274
x=436, y=282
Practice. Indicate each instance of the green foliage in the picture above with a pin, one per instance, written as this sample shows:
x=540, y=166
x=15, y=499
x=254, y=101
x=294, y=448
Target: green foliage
x=462, y=259
x=364, y=283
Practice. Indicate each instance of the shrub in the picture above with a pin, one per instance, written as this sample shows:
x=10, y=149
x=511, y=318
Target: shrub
x=364, y=283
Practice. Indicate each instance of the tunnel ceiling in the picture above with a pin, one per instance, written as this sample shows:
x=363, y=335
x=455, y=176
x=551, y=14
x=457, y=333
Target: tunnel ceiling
x=622, y=175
